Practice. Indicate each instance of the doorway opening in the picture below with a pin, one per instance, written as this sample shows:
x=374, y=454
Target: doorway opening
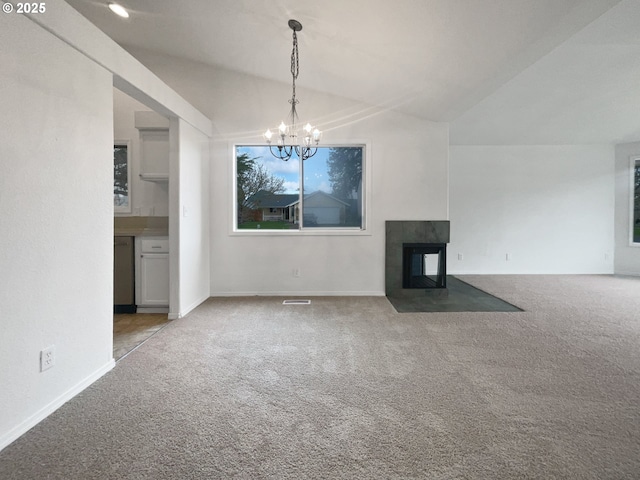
x=141, y=223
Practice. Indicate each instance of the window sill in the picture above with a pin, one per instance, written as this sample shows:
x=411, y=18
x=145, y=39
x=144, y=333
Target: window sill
x=305, y=233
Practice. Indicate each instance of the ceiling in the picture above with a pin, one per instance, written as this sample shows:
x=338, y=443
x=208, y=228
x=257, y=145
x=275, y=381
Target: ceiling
x=501, y=71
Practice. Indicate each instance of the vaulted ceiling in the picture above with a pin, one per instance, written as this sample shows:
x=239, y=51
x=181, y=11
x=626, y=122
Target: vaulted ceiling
x=501, y=71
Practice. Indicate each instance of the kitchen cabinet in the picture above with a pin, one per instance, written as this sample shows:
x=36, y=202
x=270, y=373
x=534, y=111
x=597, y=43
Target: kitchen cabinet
x=153, y=273
x=154, y=146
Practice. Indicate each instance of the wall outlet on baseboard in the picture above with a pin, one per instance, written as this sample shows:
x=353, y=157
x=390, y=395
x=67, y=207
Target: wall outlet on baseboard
x=507, y=257
x=47, y=358
x=460, y=256
x=296, y=272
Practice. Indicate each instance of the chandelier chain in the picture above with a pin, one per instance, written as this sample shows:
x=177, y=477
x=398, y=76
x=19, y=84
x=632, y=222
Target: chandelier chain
x=295, y=65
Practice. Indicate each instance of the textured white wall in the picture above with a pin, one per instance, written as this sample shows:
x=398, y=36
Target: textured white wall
x=56, y=204
x=550, y=207
x=147, y=198
x=56, y=222
x=407, y=158
x=627, y=258
x=193, y=212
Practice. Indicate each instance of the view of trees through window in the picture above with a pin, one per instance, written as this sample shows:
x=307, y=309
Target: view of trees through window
x=324, y=191
x=120, y=177
x=636, y=202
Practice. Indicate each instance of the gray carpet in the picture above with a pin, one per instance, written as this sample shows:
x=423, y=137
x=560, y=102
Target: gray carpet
x=347, y=388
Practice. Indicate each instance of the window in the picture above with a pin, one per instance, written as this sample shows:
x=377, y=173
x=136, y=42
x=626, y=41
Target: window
x=121, y=177
x=323, y=192
x=635, y=200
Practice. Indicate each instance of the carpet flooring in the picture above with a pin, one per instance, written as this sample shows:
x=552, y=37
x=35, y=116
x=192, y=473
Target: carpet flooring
x=347, y=388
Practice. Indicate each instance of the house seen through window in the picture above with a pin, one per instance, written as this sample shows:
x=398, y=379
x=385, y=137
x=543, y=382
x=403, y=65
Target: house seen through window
x=324, y=191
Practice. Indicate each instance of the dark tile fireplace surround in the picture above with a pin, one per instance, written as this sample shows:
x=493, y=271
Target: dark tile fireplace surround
x=415, y=258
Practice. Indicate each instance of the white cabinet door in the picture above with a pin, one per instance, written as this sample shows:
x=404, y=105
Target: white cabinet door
x=154, y=152
x=154, y=280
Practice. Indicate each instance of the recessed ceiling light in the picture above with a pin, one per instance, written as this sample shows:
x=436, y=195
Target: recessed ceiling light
x=118, y=10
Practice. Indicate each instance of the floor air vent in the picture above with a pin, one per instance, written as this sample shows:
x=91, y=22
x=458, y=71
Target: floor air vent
x=297, y=302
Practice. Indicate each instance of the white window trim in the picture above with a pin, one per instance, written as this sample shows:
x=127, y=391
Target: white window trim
x=365, y=230
x=128, y=208
x=632, y=169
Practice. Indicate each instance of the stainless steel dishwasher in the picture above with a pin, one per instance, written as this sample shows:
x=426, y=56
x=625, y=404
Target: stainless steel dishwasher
x=123, y=275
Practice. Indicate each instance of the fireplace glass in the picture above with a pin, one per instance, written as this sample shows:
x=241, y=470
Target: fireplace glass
x=424, y=265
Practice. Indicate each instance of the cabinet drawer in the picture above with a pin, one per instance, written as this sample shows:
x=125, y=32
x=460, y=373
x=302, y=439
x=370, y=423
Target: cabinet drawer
x=150, y=245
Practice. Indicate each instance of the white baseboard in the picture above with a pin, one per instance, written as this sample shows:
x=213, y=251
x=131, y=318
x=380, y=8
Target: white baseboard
x=183, y=312
x=20, y=429
x=186, y=310
x=628, y=274
x=301, y=294
x=152, y=309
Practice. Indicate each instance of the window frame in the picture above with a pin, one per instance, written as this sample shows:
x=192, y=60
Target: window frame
x=364, y=230
x=634, y=162
x=128, y=208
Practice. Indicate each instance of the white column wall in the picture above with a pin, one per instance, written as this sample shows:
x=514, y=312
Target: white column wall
x=56, y=222
x=549, y=207
x=193, y=214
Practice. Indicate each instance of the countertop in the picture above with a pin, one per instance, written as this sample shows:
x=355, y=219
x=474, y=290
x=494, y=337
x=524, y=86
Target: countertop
x=140, y=226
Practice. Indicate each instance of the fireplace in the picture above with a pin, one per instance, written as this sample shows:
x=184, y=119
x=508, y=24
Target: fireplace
x=424, y=265
x=415, y=258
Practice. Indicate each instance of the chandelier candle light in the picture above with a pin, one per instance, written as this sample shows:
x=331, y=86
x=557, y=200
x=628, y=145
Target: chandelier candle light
x=287, y=142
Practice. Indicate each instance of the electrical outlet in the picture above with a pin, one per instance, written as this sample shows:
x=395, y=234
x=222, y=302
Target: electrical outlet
x=460, y=256
x=507, y=257
x=47, y=358
x=296, y=272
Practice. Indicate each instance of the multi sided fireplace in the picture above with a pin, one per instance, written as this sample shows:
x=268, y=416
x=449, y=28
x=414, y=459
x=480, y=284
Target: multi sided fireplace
x=424, y=265
x=415, y=258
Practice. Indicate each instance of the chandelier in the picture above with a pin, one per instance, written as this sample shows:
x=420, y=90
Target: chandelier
x=287, y=136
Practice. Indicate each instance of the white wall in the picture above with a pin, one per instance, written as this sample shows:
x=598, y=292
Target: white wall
x=550, y=207
x=56, y=204
x=190, y=209
x=147, y=198
x=56, y=222
x=627, y=258
x=407, y=158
